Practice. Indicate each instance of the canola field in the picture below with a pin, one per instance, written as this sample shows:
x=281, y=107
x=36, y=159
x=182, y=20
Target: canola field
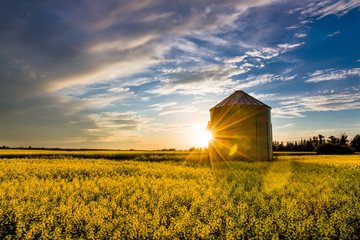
x=69, y=196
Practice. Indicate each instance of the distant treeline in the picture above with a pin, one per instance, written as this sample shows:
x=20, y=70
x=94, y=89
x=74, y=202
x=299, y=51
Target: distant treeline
x=312, y=143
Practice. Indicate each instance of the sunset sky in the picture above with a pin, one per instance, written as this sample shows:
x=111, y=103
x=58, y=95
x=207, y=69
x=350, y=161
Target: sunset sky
x=144, y=74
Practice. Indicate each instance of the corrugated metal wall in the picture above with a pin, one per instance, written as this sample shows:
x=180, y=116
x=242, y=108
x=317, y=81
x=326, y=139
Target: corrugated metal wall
x=241, y=133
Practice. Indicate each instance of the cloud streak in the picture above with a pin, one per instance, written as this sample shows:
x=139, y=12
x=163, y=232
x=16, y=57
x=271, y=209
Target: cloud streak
x=253, y=81
x=178, y=110
x=271, y=52
x=197, y=80
x=321, y=9
x=297, y=106
x=332, y=74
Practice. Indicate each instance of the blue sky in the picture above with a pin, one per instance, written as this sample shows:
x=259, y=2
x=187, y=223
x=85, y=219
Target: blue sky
x=144, y=74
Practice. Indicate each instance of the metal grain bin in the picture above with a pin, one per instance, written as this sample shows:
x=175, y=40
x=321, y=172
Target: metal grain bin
x=241, y=128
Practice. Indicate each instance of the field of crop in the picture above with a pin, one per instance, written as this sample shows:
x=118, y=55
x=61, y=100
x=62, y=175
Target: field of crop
x=47, y=195
x=103, y=154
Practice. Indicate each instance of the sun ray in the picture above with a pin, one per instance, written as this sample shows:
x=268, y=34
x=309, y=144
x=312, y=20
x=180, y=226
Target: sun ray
x=229, y=148
x=232, y=123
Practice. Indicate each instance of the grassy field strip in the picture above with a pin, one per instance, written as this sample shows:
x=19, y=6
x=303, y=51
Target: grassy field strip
x=351, y=161
x=90, y=152
x=101, y=154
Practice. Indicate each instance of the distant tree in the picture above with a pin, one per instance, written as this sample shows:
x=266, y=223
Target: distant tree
x=333, y=139
x=274, y=146
x=297, y=147
x=315, y=141
x=309, y=145
x=355, y=143
x=331, y=148
x=281, y=146
x=168, y=149
x=343, y=139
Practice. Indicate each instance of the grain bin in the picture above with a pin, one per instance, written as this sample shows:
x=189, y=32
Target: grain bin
x=241, y=129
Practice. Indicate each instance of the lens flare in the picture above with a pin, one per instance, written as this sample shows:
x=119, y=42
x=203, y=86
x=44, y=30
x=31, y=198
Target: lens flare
x=204, y=138
x=208, y=136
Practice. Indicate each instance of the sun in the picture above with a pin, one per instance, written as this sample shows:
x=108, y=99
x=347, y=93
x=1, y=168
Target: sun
x=204, y=138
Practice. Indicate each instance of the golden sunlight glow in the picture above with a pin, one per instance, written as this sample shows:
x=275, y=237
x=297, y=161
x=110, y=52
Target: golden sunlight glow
x=200, y=136
x=204, y=138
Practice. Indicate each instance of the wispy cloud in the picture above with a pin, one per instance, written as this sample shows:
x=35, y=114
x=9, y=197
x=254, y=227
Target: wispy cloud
x=199, y=80
x=333, y=34
x=290, y=111
x=298, y=106
x=300, y=35
x=256, y=80
x=161, y=106
x=119, y=90
x=321, y=9
x=116, y=121
x=262, y=96
x=235, y=59
x=310, y=11
x=288, y=125
x=253, y=81
x=264, y=53
x=178, y=109
x=300, y=24
x=271, y=52
x=332, y=74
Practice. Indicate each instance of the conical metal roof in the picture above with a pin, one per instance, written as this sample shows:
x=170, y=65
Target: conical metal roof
x=240, y=98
